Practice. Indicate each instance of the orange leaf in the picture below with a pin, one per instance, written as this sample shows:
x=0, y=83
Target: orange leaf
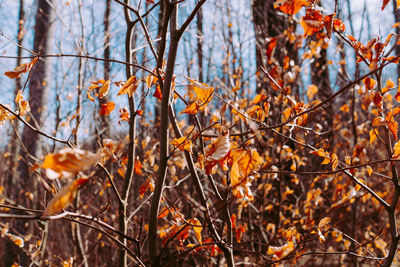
x=384, y=3
x=104, y=89
x=312, y=22
x=68, y=162
x=239, y=232
x=396, y=150
x=290, y=7
x=369, y=83
x=158, y=94
x=138, y=167
x=389, y=84
x=64, y=197
x=107, y=108
x=191, y=109
x=217, y=151
x=90, y=97
x=259, y=98
x=23, y=68
x=123, y=114
x=197, y=228
x=311, y=91
x=182, y=143
x=130, y=86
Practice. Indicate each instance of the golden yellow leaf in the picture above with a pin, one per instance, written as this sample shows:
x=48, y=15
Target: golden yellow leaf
x=334, y=161
x=24, y=107
x=311, y=91
x=369, y=170
x=64, y=197
x=259, y=98
x=369, y=83
x=104, y=89
x=19, y=97
x=23, y=68
x=345, y=108
x=90, y=97
x=324, y=222
x=197, y=228
x=17, y=240
x=191, y=109
x=68, y=162
x=130, y=86
x=182, y=143
x=107, y=108
x=396, y=149
x=389, y=84
x=203, y=92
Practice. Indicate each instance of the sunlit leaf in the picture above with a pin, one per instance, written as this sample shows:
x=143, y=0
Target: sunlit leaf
x=104, y=89
x=64, y=197
x=369, y=170
x=396, y=150
x=182, y=143
x=130, y=86
x=191, y=109
x=68, y=162
x=311, y=91
x=197, y=228
x=23, y=68
x=217, y=151
x=17, y=240
x=369, y=83
x=290, y=7
x=372, y=136
x=107, y=108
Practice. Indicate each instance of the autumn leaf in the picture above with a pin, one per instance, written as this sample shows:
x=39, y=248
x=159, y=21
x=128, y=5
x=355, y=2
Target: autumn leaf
x=64, y=197
x=69, y=162
x=182, y=143
x=4, y=115
x=372, y=136
x=138, y=167
x=244, y=162
x=217, y=151
x=384, y=3
x=290, y=7
x=259, y=98
x=369, y=83
x=147, y=185
x=90, y=97
x=17, y=240
x=312, y=22
x=157, y=93
x=23, y=68
x=130, y=86
x=197, y=228
x=104, y=89
x=311, y=91
x=107, y=108
x=281, y=251
x=191, y=109
x=396, y=150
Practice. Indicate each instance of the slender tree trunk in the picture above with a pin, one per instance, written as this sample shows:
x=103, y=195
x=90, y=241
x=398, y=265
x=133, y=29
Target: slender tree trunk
x=397, y=20
x=105, y=120
x=267, y=23
x=38, y=87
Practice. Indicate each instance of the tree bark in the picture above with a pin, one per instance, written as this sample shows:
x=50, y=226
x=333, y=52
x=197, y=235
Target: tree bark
x=38, y=86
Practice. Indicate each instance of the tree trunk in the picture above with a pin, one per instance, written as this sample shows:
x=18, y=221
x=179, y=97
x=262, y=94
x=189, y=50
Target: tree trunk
x=105, y=120
x=38, y=87
x=267, y=23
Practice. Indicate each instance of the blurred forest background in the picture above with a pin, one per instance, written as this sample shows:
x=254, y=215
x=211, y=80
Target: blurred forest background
x=259, y=132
